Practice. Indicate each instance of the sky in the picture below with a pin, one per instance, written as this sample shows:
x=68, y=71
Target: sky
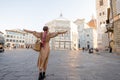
x=33, y=14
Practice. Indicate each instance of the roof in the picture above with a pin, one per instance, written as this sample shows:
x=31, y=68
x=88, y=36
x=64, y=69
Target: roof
x=61, y=18
x=1, y=32
x=16, y=30
x=79, y=21
x=92, y=23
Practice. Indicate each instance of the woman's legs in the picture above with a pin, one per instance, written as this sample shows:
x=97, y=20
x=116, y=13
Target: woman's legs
x=43, y=61
x=40, y=60
x=45, y=64
x=45, y=67
x=42, y=65
x=40, y=76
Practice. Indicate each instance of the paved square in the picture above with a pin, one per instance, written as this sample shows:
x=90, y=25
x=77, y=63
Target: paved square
x=20, y=64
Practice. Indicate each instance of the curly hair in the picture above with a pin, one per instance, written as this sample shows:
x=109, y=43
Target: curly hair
x=45, y=28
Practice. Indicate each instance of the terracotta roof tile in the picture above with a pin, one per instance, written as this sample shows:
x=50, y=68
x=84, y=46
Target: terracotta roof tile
x=92, y=23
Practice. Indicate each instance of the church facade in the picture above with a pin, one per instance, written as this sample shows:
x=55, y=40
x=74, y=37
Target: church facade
x=68, y=41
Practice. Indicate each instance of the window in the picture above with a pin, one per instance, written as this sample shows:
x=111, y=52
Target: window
x=104, y=22
x=87, y=35
x=22, y=41
x=88, y=42
x=7, y=40
x=8, y=36
x=10, y=40
x=74, y=44
x=13, y=40
x=101, y=2
x=103, y=13
x=100, y=23
x=100, y=14
x=11, y=36
x=16, y=40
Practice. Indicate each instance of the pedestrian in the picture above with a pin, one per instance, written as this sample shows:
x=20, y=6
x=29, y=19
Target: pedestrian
x=83, y=49
x=91, y=50
x=96, y=50
x=110, y=51
x=45, y=49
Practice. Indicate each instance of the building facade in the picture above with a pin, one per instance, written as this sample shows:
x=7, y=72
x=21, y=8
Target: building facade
x=18, y=39
x=101, y=12
x=1, y=33
x=66, y=41
x=117, y=28
x=2, y=41
x=87, y=34
x=113, y=25
x=30, y=39
x=118, y=6
x=93, y=32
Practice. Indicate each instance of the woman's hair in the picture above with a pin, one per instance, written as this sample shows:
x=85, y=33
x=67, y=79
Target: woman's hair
x=45, y=28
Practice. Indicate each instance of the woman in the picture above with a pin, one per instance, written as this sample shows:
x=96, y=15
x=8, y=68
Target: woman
x=45, y=49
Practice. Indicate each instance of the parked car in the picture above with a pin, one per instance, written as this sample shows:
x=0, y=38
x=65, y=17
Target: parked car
x=1, y=47
x=2, y=42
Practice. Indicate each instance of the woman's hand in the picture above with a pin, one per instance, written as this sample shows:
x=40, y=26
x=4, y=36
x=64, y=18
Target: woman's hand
x=66, y=31
x=62, y=32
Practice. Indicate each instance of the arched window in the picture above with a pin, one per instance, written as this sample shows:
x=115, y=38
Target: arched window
x=101, y=2
x=87, y=35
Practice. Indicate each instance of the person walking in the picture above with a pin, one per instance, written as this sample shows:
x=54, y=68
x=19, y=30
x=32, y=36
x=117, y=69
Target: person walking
x=45, y=37
x=110, y=49
x=83, y=49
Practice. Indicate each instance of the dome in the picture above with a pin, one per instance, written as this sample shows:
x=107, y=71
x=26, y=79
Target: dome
x=61, y=18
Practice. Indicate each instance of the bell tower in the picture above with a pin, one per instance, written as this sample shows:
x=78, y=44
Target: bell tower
x=101, y=14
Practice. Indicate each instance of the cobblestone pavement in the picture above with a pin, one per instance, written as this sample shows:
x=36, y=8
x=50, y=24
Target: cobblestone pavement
x=20, y=64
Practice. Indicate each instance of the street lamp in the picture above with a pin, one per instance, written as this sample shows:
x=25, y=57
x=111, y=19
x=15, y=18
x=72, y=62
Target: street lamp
x=109, y=28
x=109, y=25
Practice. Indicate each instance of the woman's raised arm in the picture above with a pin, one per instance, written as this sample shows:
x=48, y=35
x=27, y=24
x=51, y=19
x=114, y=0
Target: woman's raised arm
x=37, y=34
x=62, y=32
x=29, y=31
x=54, y=34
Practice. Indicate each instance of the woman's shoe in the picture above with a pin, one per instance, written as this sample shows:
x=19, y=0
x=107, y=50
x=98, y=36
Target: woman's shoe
x=40, y=76
x=44, y=75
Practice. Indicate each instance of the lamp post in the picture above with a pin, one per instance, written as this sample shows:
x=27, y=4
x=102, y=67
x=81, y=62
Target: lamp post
x=110, y=23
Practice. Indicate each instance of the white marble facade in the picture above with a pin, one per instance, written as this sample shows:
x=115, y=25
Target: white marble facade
x=87, y=35
x=17, y=38
x=68, y=41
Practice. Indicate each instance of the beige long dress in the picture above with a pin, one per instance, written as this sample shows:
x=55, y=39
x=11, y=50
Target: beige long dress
x=44, y=53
